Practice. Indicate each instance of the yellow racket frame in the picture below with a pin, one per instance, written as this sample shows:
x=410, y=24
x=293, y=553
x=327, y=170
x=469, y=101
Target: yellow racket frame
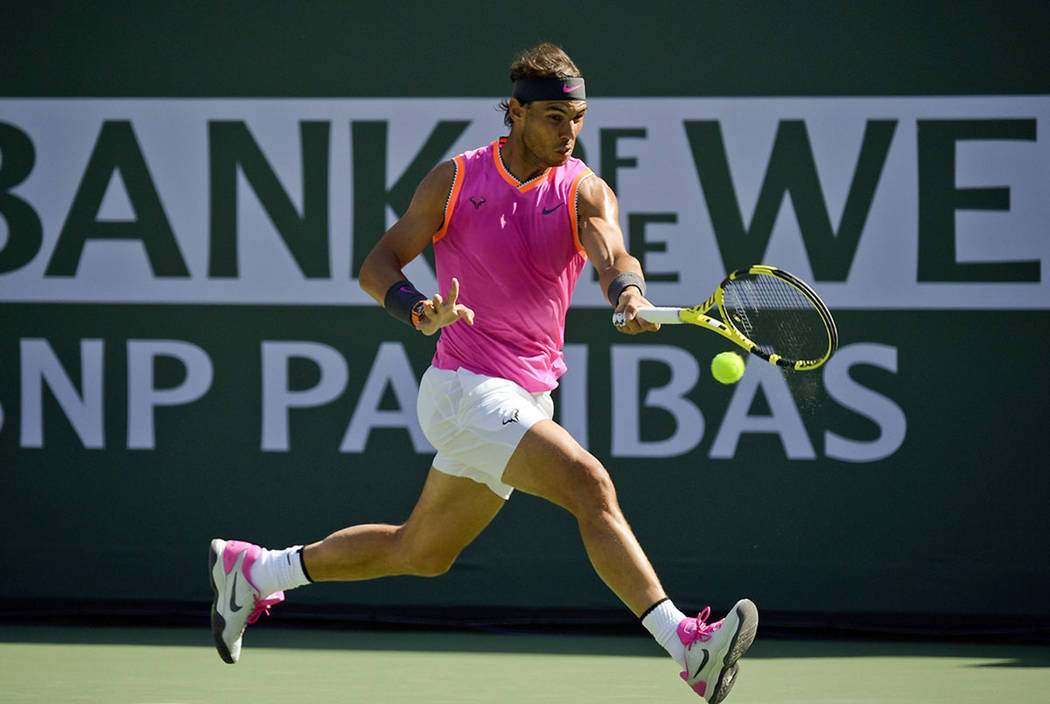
x=697, y=315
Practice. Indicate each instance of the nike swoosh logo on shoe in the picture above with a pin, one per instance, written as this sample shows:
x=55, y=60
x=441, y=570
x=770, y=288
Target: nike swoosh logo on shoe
x=702, y=663
x=235, y=608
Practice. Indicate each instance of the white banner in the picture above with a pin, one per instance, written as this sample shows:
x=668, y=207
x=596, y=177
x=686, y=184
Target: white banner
x=912, y=203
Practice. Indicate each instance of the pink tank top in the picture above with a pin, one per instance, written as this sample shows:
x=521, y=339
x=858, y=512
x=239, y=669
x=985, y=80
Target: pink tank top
x=516, y=251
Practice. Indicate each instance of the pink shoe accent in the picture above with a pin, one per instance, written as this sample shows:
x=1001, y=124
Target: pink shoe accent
x=233, y=550
x=691, y=630
x=230, y=554
x=262, y=606
x=698, y=687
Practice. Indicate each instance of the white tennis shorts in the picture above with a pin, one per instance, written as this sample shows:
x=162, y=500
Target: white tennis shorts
x=476, y=422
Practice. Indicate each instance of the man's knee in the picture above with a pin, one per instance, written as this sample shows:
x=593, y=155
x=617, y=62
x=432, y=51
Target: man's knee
x=421, y=558
x=431, y=565
x=591, y=489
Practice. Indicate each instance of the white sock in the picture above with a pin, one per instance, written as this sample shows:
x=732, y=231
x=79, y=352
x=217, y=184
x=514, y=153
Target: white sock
x=279, y=570
x=662, y=622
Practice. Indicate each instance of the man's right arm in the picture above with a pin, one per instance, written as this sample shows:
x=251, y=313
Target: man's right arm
x=410, y=235
x=402, y=243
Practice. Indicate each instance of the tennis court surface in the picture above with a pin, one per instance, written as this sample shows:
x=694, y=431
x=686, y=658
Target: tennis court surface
x=177, y=665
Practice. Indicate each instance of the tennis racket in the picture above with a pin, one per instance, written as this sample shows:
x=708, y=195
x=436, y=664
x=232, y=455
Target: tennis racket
x=770, y=313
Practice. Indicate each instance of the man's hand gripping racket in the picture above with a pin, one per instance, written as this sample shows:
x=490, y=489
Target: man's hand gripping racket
x=769, y=312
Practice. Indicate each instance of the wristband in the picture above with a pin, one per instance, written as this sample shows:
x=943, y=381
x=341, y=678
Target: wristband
x=621, y=282
x=400, y=300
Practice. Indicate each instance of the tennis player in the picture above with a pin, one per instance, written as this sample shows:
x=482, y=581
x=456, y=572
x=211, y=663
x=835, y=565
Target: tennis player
x=513, y=224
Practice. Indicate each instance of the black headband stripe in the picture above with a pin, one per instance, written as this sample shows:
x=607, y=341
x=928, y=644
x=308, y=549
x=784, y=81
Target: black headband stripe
x=529, y=89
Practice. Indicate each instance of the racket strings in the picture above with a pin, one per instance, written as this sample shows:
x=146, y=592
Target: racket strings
x=775, y=315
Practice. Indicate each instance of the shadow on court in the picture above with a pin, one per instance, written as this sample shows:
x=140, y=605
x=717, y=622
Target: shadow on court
x=984, y=655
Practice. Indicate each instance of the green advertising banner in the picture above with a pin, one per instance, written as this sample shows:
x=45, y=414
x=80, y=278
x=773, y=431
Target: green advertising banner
x=892, y=481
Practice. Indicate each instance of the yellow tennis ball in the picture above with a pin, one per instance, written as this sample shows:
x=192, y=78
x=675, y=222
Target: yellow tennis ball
x=727, y=367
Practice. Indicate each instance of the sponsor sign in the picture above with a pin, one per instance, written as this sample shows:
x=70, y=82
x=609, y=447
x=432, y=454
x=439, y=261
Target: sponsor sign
x=905, y=203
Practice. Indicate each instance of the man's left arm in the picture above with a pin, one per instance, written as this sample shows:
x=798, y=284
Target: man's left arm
x=619, y=273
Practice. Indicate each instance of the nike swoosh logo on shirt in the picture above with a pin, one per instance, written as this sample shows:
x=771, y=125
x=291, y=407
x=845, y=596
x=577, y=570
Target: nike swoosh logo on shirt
x=548, y=211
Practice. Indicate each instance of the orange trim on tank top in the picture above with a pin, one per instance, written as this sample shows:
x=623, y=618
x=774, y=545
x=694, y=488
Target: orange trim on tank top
x=575, y=222
x=508, y=177
x=453, y=196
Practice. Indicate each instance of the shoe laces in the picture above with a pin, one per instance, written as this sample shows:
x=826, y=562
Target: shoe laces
x=696, y=629
x=262, y=606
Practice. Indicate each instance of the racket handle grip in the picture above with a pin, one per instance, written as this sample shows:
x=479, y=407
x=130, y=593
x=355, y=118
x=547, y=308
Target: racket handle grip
x=664, y=316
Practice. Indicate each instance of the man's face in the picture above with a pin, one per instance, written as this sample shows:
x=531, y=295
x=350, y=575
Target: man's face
x=550, y=129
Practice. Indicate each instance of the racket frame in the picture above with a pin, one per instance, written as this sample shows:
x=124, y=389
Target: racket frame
x=697, y=315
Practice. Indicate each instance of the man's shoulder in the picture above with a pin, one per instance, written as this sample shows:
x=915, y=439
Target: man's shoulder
x=478, y=154
x=591, y=185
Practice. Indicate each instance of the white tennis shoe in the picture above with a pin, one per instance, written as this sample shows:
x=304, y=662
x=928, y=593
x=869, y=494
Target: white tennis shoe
x=712, y=651
x=237, y=600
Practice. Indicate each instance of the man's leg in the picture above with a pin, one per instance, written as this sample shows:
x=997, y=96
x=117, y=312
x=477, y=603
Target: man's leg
x=246, y=579
x=549, y=463
x=450, y=513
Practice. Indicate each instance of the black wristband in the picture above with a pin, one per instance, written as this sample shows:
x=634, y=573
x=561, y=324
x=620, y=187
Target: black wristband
x=399, y=300
x=622, y=281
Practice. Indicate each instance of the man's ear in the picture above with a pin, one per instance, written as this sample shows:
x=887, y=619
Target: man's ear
x=517, y=110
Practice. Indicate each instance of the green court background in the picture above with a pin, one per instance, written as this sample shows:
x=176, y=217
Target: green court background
x=143, y=666
x=949, y=530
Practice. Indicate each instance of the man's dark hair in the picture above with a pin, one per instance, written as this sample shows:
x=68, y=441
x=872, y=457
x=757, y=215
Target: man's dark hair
x=543, y=61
